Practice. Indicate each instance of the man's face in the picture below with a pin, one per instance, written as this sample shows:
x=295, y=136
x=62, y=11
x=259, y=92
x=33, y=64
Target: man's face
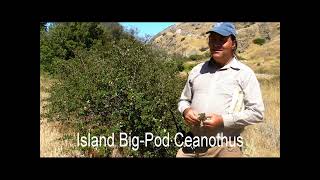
x=221, y=47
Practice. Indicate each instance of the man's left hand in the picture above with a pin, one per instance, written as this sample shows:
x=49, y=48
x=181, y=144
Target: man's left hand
x=215, y=121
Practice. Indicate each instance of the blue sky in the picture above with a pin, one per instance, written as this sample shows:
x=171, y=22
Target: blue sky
x=144, y=28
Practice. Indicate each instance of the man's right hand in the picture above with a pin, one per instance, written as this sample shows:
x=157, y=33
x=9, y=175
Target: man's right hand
x=191, y=117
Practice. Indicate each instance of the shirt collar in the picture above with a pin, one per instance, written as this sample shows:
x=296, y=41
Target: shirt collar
x=234, y=64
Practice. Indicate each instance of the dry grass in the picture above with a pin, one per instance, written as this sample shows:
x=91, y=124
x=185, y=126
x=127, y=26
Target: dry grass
x=268, y=51
x=264, y=59
x=53, y=143
x=263, y=140
x=269, y=66
x=55, y=139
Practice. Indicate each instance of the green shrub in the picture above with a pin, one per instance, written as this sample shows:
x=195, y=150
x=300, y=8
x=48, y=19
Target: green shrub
x=207, y=54
x=180, y=60
x=203, y=49
x=195, y=57
x=122, y=86
x=188, y=66
x=63, y=39
x=259, y=41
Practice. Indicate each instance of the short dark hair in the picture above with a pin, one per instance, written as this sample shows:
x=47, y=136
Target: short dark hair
x=233, y=38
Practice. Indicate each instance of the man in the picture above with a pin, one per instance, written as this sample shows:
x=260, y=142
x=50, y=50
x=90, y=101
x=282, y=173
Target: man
x=218, y=88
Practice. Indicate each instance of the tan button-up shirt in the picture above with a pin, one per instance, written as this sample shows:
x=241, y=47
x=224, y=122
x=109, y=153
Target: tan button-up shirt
x=232, y=91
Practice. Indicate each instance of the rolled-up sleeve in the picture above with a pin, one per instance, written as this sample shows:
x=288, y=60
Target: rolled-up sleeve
x=253, y=105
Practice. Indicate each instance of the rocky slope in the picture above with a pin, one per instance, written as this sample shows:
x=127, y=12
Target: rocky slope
x=191, y=39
